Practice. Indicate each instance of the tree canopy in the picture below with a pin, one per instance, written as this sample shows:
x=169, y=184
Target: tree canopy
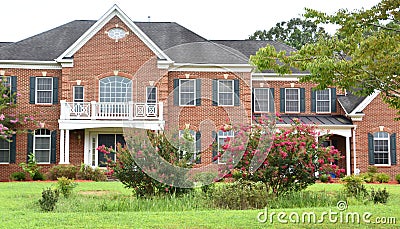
x=296, y=32
x=363, y=54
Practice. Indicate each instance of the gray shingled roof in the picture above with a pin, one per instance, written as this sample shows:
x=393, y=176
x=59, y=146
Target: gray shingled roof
x=350, y=101
x=47, y=45
x=250, y=47
x=2, y=44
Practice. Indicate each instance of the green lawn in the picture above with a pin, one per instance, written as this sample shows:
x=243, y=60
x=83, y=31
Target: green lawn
x=109, y=205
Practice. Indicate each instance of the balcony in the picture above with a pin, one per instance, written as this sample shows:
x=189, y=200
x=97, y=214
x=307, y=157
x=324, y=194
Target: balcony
x=79, y=115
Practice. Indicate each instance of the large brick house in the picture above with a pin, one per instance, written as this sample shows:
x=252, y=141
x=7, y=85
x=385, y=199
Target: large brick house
x=87, y=80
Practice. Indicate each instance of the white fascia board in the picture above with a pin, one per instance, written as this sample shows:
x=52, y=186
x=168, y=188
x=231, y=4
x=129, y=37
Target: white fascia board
x=114, y=11
x=188, y=67
x=275, y=77
x=164, y=64
x=92, y=124
x=342, y=130
x=29, y=64
x=365, y=103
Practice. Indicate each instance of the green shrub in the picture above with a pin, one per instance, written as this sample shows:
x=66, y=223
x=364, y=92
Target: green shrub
x=68, y=171
x=397, y=178
x=38, y=176
x=380, y=196
x=354, y=186
x=382, y=177
x=372, y=169
x=324, y=178
x=31, y=167
x=18, y=176
x=239, y=195
x=368, y=177
x=86, y=172
x=65, y=186
x=49, y=199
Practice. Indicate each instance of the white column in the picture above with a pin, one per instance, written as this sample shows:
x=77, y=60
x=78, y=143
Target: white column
x=348, y=156
x=354, y=151
x=62, y=146
x=66, y=146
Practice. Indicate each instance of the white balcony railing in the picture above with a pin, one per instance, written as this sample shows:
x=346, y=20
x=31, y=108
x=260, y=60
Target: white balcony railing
x=111, y=111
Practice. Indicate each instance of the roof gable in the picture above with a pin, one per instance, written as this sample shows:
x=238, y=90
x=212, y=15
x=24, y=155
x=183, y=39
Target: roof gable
x=114, y=11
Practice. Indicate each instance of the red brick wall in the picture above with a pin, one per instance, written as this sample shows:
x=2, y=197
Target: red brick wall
x=377, y=113
x=49, y=114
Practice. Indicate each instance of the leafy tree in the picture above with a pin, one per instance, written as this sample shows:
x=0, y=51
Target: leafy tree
x=296, y=32
x=363, y=55
x=285, y=160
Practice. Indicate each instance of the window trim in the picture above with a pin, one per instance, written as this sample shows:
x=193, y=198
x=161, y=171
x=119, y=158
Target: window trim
x=192, y=92
x=147, y=94
x=330, y=102
x=34, y=144
x=9, y=153
x=298, y=101
x=388, y=152
x=224, y=136
x=255, y=99
x=233, y=93
x=36, y=90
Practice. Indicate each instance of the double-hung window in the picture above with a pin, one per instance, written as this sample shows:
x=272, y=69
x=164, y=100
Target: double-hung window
x=42, y=145
x=381, y=148
x=187, y=92
x=4, y=151
x=292, y=100
x=221, y=140
x=262, y=99
x=323, y=101
x=225, y=93
x=44, y=90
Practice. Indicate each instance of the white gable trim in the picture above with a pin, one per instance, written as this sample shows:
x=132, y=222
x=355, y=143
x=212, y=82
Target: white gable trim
x=114, y=11
x=365, y=103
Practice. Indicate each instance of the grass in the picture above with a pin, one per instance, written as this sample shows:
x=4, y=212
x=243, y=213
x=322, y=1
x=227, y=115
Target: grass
x=110, y=205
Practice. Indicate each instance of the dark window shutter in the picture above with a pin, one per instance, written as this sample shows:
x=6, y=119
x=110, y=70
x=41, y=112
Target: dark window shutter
x=282, y=98
x=32, y=88
x=371, y=157
x=236, y=90
x=271, y=106
x=214, y=146
x=215, y=92
x=313, y=100
x=13, y=149
x=14, y=88
x=333, y=100
x=53, y=147
x=198, y=147
x=55, y=90
x=302, y=100
x=30, y=144
x=198, y=92
x=253, y=101
x=176, y=92
x=393, y=157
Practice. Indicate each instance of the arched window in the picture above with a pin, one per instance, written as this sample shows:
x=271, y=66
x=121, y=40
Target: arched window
x=115, y=89
x=42, y=145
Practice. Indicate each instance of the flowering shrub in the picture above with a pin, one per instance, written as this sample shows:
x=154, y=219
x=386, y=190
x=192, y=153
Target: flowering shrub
x=285, y=160
x=138, y=166
x=9, y=121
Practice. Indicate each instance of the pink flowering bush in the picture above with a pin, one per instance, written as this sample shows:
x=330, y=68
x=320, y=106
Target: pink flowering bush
x=285, y=160
x=143, y=166
x=9, y=121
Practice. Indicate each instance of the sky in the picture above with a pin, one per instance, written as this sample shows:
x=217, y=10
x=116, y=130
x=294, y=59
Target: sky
x=212, y=19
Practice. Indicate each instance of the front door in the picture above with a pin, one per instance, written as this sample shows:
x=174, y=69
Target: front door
x=108, y=140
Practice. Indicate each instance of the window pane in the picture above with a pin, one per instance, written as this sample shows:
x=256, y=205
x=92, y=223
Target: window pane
x=151, y=95
x=4, y=151
x=261, y=99
x=115, y=89
x=44, y=83
x=78, y=94
x=323, y=106
x=225, y=99
x=42, y=142
x=44, y=96
x=187, y=92
x=42, y=156
x=225, y=86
